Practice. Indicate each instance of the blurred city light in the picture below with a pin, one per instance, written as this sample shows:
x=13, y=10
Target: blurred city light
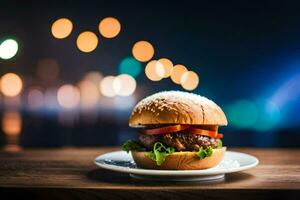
x=89, y=94
x=68, y=96
x=11, y=123
x=61, y=28
x=168, y=65
x=189, y=80
x=11, y=84
x=154, y=70
x=94, y=77
x=106, y=86
x=287, y=97
x=109, y=27
x=124, y=85
x=87, y=41
x=47, y=71
x=143, y=51
x=288, y=91
x=130, y=66
x=124, y=103
x=35, y=99
x=8, y=49
x=242, y=114
x=107, y=103
x=269, y=116
x=50, y=99
x=177, y=72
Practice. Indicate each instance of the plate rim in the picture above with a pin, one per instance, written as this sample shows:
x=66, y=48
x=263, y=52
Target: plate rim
x=154, y=172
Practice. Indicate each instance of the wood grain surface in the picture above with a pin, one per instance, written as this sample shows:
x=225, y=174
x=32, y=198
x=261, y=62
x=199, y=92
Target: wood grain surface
x=70, y=173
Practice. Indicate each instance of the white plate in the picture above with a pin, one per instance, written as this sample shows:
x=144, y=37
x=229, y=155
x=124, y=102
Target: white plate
x=121, y=161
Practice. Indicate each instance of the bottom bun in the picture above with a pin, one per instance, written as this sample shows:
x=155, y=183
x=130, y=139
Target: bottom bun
x=185, y=160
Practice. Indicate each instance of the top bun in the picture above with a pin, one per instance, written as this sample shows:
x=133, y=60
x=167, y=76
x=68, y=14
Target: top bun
x=175, y=107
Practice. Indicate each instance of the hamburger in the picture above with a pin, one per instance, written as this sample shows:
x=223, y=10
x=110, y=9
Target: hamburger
x=177, y=131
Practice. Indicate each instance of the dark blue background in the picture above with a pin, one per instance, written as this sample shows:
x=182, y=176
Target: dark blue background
x=241, y=50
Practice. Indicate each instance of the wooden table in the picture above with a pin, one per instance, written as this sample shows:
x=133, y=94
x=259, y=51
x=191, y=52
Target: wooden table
x=70, y=173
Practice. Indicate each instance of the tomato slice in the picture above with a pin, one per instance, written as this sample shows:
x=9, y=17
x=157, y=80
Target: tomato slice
x=199, y=131
x=166, y=129
x=186, y=128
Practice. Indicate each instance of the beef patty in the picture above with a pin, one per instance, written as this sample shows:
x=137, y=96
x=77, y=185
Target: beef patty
x=180, y=141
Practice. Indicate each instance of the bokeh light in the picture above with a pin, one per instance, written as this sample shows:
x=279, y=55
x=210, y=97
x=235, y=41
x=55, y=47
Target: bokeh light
x=50, y=99
x=269, y=116
x=8, y=49
x=130, y=66
x=124, y=103
x=154, y=70
x=106, y=86
x=177, y=72
x=94, y=76
x=242, y=114
x=124, y=85
x=261, y=115
x=11, y=84
x=35, y=99
x=168, y=65
x=47, y=71
x=109, y=27
x=61, y=28
x=87, y=41
x=143, y=51
x=189, y=80
x=89, y=94
x=11, y=123
x=68, y=96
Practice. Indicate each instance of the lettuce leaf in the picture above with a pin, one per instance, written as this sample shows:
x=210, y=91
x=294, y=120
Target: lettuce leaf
x=204, y=152
x=220, y=144
x=131, y=145
x=160, y=152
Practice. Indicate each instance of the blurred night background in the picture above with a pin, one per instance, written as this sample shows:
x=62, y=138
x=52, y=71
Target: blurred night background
x=71, y=71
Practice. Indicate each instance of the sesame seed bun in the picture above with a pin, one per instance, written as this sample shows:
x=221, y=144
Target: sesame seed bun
x=184, y=160
x=175, y=107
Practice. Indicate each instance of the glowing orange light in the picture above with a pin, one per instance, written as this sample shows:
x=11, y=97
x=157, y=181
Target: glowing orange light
x=11, y=84
x=61, y=28
x=143, y=51
x=106, y=86
x=168, y=65
x=87, y=41
x=124, y=85
x=68, y=96
x=189, y=80
x=177, y=72
x=154, y=70
x=89, y=93
x=12, y=123
x=109, y=27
